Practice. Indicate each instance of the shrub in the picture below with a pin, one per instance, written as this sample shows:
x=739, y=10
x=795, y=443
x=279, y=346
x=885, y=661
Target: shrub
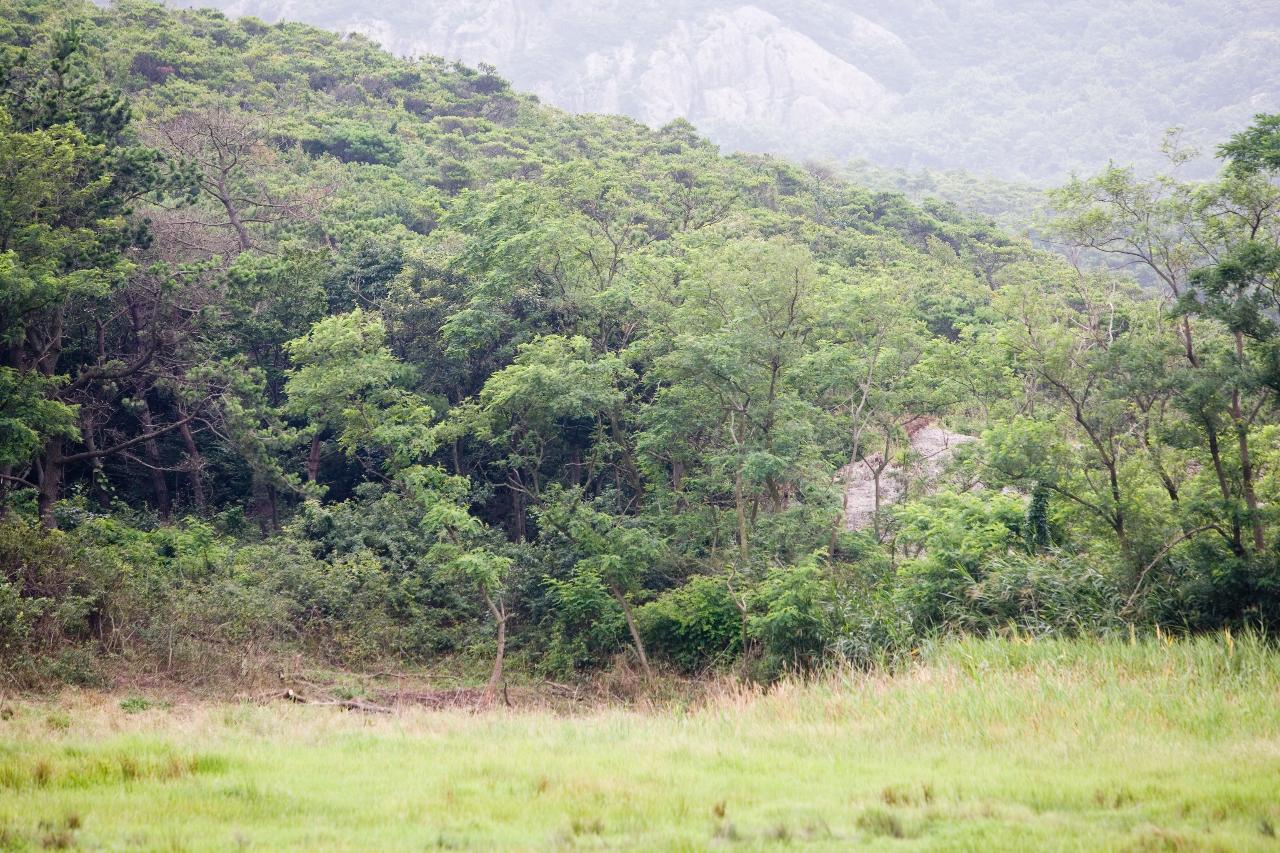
x=587, y=623
x=1057, y=594
x=796, y=614
x=1041, y=595
x=49, y=593
x=958, y=537
x=875, y=631
x=180, y=595
x=391, y=572
x=1204, y=586
x=339, y=608
x=137, y=704
x=354, y=142
x=693, y=625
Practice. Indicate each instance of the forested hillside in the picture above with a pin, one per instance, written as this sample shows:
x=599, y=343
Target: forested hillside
x=314, y=350
x=1025, y=90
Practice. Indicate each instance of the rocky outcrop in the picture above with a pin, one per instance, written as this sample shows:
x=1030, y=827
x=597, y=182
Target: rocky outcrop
x=739, y=66
x=870, y=483
x=733, y=70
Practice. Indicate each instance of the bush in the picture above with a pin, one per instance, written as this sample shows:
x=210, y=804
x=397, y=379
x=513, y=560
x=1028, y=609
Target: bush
x=959, y=535
x=338, y=608
x=587, y=623
x=796, y=614
x=391, y=570
x=1054, y=594
x=693, y=625
x=179, y=597
x=354, y=142
x=49, y=594
x=1204, y=587
x=16, y=615
x=875, y=631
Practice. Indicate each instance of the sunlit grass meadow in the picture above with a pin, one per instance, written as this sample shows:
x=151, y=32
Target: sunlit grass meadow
x=982, y=745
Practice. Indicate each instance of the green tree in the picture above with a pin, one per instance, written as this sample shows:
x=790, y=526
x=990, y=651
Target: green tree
x=1241, y=290
x=610, y=550
x=557, y=396
x=72, y=173
x=346, y=381
x=743, y=323
x=1172, y=229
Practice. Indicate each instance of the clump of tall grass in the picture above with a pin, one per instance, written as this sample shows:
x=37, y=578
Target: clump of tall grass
x=76, y=767
x=1218, y=660
x=975, y=688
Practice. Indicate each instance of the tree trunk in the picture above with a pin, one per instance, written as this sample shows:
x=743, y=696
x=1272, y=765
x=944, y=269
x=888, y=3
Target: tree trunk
x=495, y=677
x=1170, y=487
x=517, y=514
x=1215, y=455
x=50, y=471
x=1246, y=461
x=6, y=472
x=842, y=517
x=575, y=467
x=195, y=464
x=97, y=477
x=877, y=475
x=264, y=505
x=628, y=460
x=159, y=483
x=313, y=459
x=1215, y=451
x=233, y=214
x=635, y=632
x=740, y=506
x=774, y=491
x=1246, y=486
x=273, y=508
x=1117, y=513
x=1251, y=498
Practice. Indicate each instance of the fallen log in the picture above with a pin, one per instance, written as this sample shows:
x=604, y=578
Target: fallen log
x=356, y=705
x=346, y=704
x=461, y=697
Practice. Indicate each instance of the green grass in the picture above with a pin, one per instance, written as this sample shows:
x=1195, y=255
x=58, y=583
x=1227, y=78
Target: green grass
x=982, y=745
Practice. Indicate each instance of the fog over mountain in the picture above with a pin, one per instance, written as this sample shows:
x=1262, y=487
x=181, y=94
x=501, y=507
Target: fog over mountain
x=1024, y=90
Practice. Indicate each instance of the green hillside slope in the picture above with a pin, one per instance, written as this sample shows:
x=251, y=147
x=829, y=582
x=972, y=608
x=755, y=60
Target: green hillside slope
x=314, y=352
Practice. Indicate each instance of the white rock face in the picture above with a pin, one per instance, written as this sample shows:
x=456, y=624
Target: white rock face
x=932, y=445
x=733, y=66
x=745, y=66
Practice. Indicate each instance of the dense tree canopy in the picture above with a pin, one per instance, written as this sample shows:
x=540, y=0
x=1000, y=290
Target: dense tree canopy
x=309, y=347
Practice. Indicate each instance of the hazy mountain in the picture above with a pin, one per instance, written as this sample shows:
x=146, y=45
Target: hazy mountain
x=1028, y=89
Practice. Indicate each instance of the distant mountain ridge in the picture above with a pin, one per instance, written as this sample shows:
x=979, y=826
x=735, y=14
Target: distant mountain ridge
x=1028, y=90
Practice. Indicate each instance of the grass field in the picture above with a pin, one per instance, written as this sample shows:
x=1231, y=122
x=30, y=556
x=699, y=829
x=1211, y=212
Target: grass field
x=982, y=745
